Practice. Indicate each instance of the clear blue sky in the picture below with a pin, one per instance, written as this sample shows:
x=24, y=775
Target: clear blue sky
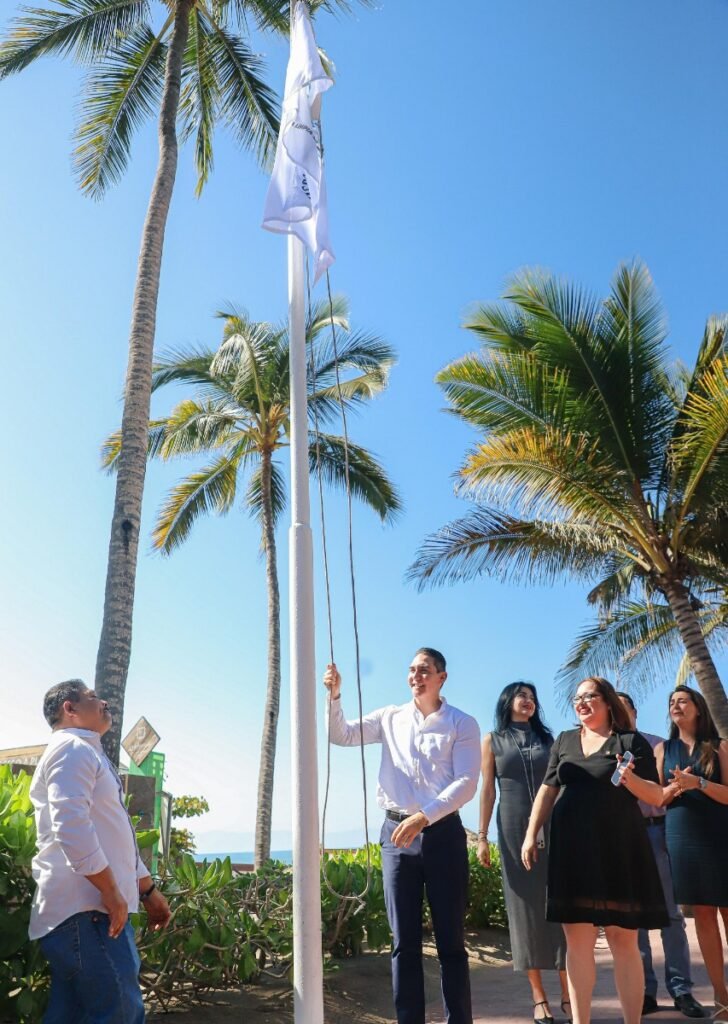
x=463, y=142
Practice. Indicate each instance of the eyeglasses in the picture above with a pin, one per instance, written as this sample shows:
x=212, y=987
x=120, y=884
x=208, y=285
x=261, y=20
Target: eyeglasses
x=585, y=698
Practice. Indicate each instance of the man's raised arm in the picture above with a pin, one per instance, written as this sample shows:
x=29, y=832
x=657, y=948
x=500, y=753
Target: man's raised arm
x=343, y=733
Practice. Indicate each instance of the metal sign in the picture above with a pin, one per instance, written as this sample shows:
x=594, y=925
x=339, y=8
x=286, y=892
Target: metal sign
x=141, y=741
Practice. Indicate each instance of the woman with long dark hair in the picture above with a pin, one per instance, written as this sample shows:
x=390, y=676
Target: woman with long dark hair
x=516, y=754
x=696, y=758
x=602, y=870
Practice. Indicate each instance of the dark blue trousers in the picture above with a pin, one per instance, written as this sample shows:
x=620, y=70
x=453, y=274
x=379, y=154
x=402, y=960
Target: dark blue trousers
x=437, y=864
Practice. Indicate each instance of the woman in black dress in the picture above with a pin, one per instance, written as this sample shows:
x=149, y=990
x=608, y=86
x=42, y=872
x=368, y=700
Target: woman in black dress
x=516, y=753
x=697, y=826
x=602, y=869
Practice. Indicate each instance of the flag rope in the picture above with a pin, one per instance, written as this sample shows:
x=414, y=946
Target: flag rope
x=357, y=899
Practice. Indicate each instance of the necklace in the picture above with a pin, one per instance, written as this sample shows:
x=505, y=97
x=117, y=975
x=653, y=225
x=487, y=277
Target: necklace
x=530, y=780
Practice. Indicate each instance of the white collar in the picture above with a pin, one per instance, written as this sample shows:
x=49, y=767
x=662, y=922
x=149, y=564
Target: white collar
x=84, y=734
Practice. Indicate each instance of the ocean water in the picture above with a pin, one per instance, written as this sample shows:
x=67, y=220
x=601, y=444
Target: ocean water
x=245, y=856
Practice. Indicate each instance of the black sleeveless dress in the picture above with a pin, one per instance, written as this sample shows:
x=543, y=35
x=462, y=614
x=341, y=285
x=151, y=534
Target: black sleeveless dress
x=601, y=866
x=521, y=759
x=696, y=831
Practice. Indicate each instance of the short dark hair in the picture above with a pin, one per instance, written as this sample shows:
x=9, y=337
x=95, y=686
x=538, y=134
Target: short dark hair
x=626, y=696
x=71, y=689
x=439, y=659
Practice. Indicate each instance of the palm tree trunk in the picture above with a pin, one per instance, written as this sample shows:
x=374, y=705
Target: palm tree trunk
x=701, y=661
x=273, y=694
x=112, y=660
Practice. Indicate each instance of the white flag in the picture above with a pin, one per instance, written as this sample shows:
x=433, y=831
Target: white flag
x=296, y=200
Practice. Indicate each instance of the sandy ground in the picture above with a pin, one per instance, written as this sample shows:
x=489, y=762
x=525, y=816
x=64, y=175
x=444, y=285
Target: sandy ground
x=358, y=990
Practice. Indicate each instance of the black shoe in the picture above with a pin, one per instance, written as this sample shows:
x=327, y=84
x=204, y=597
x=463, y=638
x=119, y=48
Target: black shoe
x=547, y=1018
x=688, y=1005
x=649, y=1005
x=564, y=1004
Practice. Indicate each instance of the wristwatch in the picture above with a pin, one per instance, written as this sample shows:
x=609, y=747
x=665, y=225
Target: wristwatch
x=703, y=783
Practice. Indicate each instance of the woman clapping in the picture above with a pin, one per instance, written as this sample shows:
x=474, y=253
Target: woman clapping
x=696, y=758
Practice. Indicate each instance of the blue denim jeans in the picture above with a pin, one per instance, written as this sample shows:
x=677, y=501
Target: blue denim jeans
x=674, y=940
x=94, y=979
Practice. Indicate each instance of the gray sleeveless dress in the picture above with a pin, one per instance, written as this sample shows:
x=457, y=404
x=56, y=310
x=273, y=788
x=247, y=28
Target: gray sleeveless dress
x=521, y=759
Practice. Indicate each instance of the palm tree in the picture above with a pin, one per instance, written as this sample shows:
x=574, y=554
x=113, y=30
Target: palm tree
x=637, y=640
x=183, y=57
x=239, y=414
x=599, y=459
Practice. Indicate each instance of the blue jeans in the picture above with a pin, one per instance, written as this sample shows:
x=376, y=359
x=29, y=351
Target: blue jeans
x=94, y=979
x=674, y=940
x=435, y=863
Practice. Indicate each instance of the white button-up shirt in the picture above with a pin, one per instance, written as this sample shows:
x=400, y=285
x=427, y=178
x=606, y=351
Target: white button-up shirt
x=428, y=764
x=83, y=827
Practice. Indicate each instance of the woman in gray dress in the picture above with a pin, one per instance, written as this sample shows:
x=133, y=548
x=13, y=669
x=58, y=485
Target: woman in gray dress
x=516, y=753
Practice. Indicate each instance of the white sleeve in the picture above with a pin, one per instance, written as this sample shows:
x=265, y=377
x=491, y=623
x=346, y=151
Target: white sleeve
x=347, y=734
x=70, y=773
x=466, y=771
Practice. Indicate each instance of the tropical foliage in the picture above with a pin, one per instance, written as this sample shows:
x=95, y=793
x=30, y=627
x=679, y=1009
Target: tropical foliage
x=600, y=460
x=238, y=416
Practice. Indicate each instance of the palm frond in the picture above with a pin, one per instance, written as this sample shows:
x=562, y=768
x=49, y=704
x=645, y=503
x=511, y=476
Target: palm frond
x=638, y=646
x=507, y=390
x=111, y=448
x=247, y=104
x=325, y=403
x=120, y=94
x=551, y=475
x=212, y=489
x=187, y=366
x=199, y=426
x=632, y=328
x=368, y=480
x=489, y=542
x=700, y=452
x=355, y=350
x=200, y=96
x=81, y=29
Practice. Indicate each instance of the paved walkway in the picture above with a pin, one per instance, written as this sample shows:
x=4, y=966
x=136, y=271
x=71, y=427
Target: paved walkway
x=500, y=996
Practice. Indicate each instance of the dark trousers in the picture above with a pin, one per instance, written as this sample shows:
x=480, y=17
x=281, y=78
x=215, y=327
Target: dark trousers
x=435, y=863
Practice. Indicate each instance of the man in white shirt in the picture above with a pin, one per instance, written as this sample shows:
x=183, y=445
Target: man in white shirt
x=88, y=871
x=429, y=769
x=674, y=940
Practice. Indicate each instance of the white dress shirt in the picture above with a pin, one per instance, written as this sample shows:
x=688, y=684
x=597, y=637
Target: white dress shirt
x=428, y=764
x=83, y=827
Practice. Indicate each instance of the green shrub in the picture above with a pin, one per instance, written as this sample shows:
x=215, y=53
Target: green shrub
x=23, y=969
x=486, y=903
x=225, y=930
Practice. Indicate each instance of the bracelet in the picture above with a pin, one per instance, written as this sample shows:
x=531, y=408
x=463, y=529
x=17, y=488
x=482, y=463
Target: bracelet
x=144, y=896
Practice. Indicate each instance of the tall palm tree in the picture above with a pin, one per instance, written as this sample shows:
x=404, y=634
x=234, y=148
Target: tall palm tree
x=239, y=414
x=598, y=460
x=184, y=58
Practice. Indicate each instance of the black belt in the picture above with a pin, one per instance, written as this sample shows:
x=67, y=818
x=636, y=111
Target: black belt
x=659, y=819
x=402, y=815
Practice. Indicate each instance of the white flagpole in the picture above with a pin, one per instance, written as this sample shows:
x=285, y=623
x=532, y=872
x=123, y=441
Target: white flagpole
x=308, y=1004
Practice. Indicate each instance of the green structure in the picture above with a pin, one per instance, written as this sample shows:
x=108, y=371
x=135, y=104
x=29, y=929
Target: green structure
x=152, y=767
